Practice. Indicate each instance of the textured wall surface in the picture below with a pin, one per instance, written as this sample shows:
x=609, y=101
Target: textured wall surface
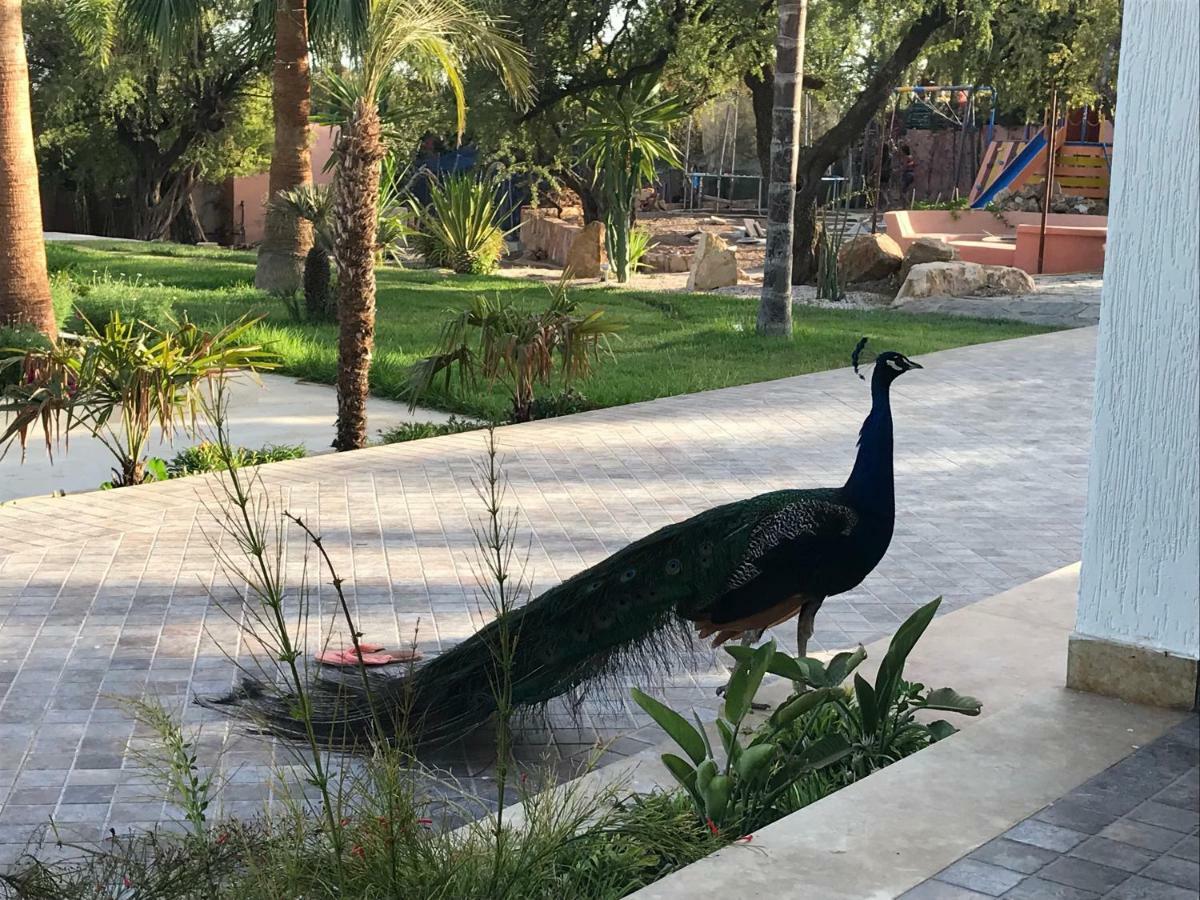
x=1141, y=557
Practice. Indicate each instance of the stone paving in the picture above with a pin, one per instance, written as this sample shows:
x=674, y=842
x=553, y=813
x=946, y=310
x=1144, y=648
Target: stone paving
x=1071, y=300
x=1130, y=833
x=119, y=593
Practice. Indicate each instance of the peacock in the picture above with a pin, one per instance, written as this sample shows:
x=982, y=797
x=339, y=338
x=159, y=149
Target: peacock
x=731, y=571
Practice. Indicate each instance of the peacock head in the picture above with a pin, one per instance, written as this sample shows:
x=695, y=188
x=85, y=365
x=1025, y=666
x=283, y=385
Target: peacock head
x=889, y=365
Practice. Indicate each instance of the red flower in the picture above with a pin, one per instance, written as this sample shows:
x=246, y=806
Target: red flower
x=712, y=826
x=345, y=822
x=222, y=838
x=425, y=822
x=358, y=851
x=125, y=881
x=746, y=838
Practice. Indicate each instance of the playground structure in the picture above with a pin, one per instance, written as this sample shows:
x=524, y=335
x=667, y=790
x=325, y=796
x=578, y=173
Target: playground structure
x=1082, y=164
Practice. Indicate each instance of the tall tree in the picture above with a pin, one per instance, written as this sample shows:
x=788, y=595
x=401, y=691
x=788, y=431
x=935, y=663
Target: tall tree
x=831, y=145
x=431, y=37
x=24, y=284
x=287, y=238
x=775, y=306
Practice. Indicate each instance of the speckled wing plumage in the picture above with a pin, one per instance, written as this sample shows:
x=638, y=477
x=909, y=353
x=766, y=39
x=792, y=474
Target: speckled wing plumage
x=640, y=606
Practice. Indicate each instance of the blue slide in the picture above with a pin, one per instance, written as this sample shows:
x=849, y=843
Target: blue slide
x=1014, y=168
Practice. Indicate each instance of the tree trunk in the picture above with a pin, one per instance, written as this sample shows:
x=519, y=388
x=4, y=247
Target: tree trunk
x=355, y=203
x=24, y=284
x=828, y=148
x=775, y=307
x=286, y=238
x=762, y=100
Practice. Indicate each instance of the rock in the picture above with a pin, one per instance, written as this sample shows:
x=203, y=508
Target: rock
x=586, y=252
x=714, y=265
x=962, y=279
x=925, y=250
x=1007, y=280
x=869, y=257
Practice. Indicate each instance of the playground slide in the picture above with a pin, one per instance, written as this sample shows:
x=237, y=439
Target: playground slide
x=1015, y=169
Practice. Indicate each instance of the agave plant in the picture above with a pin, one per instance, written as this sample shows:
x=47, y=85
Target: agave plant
x=625, y=142
x=493, y=340
x=119, y=381
x=459, y=229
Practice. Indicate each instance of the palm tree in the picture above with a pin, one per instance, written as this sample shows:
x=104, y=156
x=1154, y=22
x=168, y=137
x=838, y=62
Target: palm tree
x=287, y=239
x=428, y=35
x=24, y=284
x=627, y=137
x=775, y=307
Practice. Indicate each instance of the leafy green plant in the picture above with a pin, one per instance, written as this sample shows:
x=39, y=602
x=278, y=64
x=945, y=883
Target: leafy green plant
x=561, y=403
x=416, y=431
x=734, y=796
x=119, y=382
x=625, y=141
x=822, y=737
x=459, y=229
x=208, y=457
x=639, y=246
x=494, y=340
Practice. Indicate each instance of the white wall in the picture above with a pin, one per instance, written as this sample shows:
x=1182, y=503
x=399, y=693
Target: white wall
x=1140, y=580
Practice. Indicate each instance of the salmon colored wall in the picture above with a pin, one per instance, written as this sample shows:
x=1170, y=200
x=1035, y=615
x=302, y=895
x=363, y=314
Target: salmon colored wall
x=250, y=192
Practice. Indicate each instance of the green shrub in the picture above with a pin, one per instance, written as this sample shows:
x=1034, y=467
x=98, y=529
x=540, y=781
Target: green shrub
x=207, y=457
x=416, y=431
x=460, y=229
x=639, y=246
x=561, y=403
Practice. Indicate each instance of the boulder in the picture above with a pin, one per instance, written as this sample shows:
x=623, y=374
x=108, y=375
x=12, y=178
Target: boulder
x=962, y=279
x=926, y=250
x=1007, y=280
x=586, y=252
x=869, y=257
x=714, y=265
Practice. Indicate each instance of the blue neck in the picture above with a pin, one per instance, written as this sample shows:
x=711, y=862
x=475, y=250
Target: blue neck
x=870, y=485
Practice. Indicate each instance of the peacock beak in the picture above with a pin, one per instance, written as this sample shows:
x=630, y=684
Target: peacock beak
x=913, y=365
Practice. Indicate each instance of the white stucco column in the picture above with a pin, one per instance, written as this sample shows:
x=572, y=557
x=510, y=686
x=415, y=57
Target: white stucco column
x=1138, y=627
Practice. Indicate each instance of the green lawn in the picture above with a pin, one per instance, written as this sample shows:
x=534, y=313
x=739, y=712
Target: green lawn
x=672, y=343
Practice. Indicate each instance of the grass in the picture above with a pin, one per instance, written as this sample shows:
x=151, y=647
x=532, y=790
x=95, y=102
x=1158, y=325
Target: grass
x=672, y=343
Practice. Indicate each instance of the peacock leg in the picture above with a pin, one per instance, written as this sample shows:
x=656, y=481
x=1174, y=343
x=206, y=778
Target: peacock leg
x=805, y=624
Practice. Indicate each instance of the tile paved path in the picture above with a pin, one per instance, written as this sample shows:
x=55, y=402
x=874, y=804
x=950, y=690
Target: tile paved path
x=108, y=594
x=1130, y=833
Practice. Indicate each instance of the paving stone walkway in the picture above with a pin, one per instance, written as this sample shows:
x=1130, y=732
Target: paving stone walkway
x=116, y=593
x=1130, y=833
x=1071, y=300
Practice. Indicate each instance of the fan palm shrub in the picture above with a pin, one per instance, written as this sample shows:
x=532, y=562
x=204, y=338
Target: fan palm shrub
x=625, y=140
x=117, y=382
x=459, y=229
x=314, y=204
x=495, y=341
x=399, y=38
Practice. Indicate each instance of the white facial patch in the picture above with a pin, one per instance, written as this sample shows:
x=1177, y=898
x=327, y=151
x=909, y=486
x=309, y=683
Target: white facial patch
x=895, y=365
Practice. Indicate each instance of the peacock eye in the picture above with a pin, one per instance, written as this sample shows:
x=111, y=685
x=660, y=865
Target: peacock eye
x=673, y=567
x=628, y=575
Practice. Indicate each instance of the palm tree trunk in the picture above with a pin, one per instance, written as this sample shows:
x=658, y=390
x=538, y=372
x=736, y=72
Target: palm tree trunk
x=355, y=202
x=286, y=238
x=24, y=284
x=775, y=307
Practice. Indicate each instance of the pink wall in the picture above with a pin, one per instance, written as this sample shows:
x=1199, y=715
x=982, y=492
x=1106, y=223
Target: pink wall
x=250, y=192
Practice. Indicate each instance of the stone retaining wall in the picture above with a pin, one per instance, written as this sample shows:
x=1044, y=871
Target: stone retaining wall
x=570, y=244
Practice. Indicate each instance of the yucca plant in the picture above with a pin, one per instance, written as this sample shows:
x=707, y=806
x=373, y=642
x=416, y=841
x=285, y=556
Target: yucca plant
x=625, y=141
x=460, y=227
x=119, y=381
x=494, y=340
